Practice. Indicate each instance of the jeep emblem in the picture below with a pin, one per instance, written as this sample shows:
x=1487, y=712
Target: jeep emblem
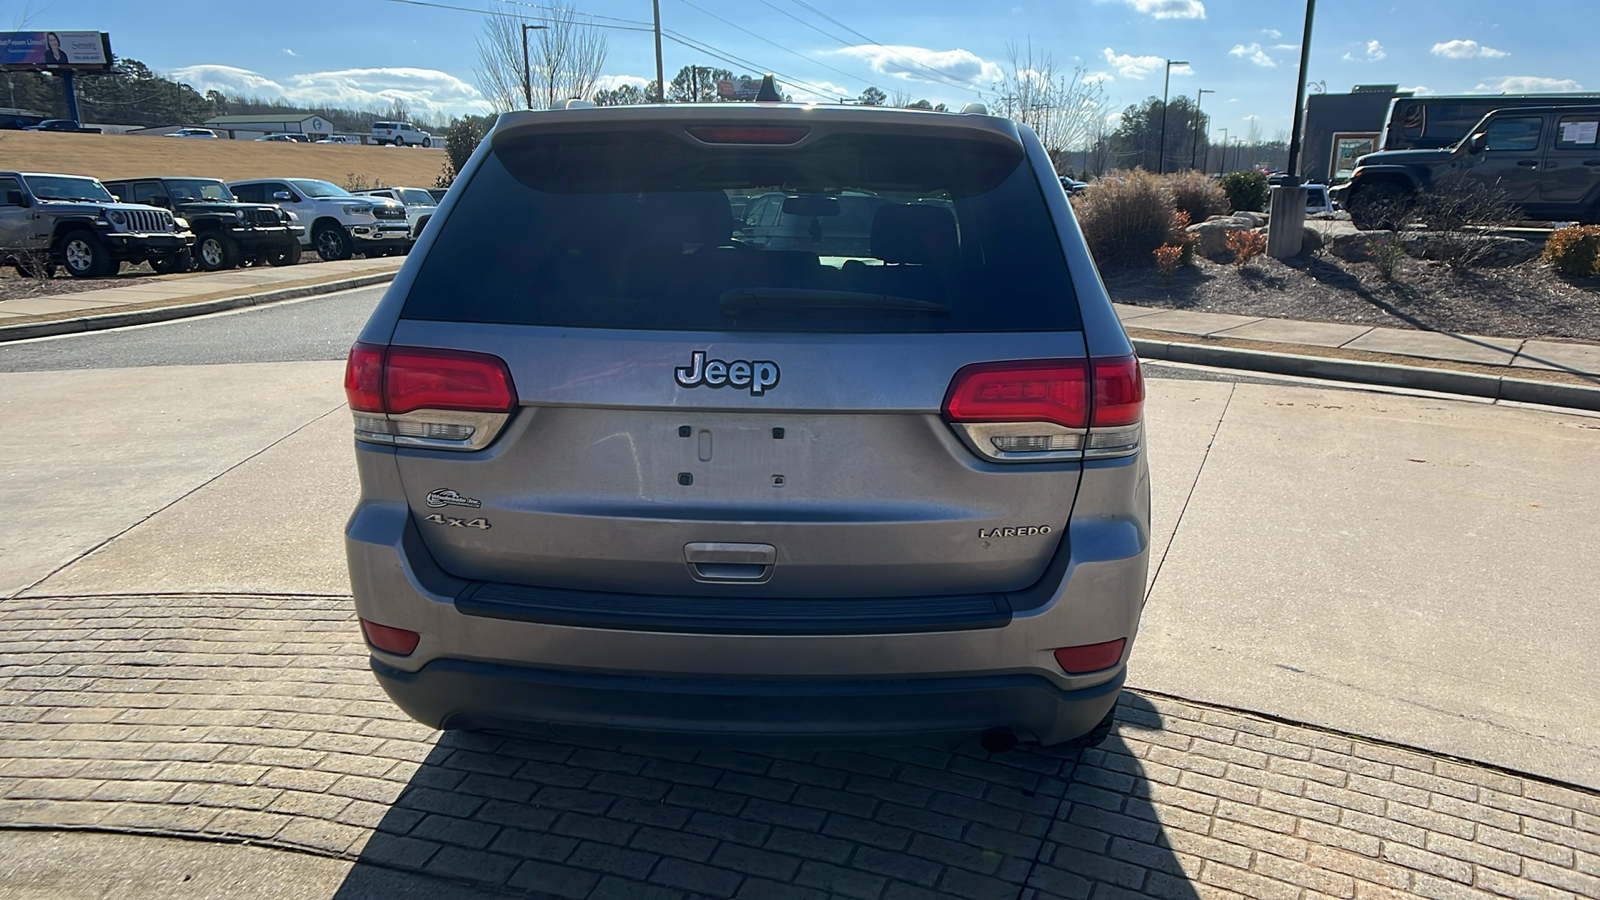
x=758, y=376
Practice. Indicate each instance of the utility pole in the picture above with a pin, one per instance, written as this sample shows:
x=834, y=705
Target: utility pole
x=527, y=71
x=1161, y=165
x=661, y=87
x=1195, y=150
x=1287, y=216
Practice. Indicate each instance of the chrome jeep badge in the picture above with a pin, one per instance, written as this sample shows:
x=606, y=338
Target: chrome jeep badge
x=758, y=376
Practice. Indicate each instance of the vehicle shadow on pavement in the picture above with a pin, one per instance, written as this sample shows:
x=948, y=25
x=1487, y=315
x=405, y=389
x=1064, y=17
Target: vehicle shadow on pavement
x=579, y=818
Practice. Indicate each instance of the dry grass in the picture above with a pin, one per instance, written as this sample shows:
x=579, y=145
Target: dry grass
x=109, y=156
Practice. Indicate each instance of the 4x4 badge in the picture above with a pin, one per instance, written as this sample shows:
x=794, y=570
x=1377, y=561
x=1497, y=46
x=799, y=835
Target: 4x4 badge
x=759, y=376
x=447, y=497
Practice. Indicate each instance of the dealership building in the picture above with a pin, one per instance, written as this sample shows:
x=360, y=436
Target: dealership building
x=1343, y=127
x=251, y=127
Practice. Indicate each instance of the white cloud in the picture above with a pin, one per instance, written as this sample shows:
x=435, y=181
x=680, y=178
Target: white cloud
x=1255, y=54
x=1272, y=33
x=288, y=52
x=612, y=82
x=427, y=92
x=1098, y=77
x=830, y=92
x=1466, y=50
x=1372, y=52
x=1137, y=67
x=1170, y=9
x=913, y=63
x=1528, y=84
x=1419, y=90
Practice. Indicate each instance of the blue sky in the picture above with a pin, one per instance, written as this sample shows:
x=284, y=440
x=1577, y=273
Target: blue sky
x=366, y=52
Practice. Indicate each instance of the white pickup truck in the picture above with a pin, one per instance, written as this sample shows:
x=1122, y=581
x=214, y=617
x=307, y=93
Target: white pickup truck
x=400, y=134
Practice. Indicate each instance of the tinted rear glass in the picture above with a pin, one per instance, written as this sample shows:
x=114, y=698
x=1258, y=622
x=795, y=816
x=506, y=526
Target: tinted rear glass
x=652, y=231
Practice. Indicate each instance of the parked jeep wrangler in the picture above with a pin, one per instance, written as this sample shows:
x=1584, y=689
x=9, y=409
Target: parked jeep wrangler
x=73, y=221
x=227, y=231
x=1544, y=159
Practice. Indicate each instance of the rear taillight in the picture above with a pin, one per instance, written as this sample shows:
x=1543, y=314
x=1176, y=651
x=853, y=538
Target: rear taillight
x=1051, y=409
x=420, y=396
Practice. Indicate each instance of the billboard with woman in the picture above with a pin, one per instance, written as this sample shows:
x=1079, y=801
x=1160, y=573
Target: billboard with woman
x=36, y=50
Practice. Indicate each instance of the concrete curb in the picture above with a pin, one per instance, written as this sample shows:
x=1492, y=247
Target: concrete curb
x=1445, y=381
x=183, y=310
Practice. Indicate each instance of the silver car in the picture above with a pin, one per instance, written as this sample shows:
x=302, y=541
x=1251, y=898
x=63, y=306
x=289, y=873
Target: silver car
x=623, y=470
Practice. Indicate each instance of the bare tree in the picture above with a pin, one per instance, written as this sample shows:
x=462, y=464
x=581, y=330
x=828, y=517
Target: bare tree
x=1066, y=109
x=565, y=56
x=900, y=99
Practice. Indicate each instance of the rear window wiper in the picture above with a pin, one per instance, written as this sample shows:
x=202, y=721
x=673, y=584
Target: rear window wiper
x=746, y=299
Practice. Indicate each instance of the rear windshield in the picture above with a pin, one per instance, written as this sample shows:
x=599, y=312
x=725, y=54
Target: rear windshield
x=850, y=233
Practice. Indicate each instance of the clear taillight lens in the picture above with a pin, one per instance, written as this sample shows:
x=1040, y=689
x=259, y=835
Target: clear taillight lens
x=1040, y=410
x=419, y=396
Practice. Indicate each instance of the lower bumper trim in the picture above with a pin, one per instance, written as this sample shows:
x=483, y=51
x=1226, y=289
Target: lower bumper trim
x=453, y=693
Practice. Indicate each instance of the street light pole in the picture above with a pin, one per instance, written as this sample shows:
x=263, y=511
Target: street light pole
x=1293, y=170
x=1287, y=216
x=1222, y=158
x=1161, y=164
x=527, y=71
x=1195, y=150
x=661, y=87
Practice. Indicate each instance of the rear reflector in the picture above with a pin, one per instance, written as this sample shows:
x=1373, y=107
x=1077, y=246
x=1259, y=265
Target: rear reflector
x=748, y=134
x=1038, y=390
x=398, y=641
x=1090, y=657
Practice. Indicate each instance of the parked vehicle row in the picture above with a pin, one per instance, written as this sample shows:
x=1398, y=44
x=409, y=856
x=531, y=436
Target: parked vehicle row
x=50, y=221
x=1544, y=160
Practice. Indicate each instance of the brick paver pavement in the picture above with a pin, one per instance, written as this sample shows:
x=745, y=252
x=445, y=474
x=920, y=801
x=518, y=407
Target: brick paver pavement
x=254, y=718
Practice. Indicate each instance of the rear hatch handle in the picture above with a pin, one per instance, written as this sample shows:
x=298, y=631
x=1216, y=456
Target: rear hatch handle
x=715, y=561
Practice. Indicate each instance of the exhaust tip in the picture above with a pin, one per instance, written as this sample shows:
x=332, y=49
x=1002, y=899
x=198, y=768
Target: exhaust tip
x=998, y=740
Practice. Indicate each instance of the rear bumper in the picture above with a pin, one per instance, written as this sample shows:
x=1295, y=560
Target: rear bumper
x=265, y=238
x=454, y=693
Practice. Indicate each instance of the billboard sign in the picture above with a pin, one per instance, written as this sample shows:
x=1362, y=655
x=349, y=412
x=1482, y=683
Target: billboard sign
x=739, y=89
x=45, y=50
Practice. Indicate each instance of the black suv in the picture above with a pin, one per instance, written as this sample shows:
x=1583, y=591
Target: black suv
x=1544, y=159
x=227, y=232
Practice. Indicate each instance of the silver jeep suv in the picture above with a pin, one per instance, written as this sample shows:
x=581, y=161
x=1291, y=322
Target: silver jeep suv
x=624, y=469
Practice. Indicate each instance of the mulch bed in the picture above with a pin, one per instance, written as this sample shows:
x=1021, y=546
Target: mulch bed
x=1525, y=301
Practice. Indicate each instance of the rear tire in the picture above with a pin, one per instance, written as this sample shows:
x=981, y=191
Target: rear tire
x=287, y=255
x=1380, y=206
x=427, y=142
x=332, y=243
x=399, y=142
x=1096, y=736
x=86, y=257
x=215, y=251
x=182, y=261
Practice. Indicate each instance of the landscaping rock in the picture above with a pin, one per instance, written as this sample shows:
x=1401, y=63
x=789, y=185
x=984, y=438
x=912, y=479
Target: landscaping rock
x=1489, y=251
x=1211, y=236
x=1354, y=247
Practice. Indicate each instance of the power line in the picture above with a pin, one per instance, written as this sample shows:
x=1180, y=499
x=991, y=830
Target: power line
x=645, y=26
x=939, y=75
x=788, y=50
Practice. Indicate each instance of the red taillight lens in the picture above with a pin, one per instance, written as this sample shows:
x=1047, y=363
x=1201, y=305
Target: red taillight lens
x=1118, y=392
x=419, y=378
x=363, y=378
x=1045, y=390
x=748, y=134
x=398, y=641
x=1090, y=657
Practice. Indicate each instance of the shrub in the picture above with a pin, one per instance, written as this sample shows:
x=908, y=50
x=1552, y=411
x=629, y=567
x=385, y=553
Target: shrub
x=1246, y=244
x=1125, y=216
x=1197, y=194
x=1574, y=251
x=1168, y=258
x=1246, y=191
x=1454, y=209
x=354, y=182
x=1386, y=251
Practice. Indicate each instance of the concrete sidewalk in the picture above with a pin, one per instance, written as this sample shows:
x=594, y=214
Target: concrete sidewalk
x=139, y=300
